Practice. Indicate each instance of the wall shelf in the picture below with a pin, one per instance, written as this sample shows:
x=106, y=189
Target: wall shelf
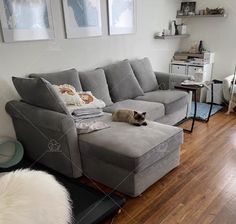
x=203, y=16
x=171, y=36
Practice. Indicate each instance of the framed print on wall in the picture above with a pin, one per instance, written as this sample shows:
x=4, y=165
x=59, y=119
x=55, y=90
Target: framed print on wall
x=82, y=18
x=122, y=16
x=26, y=20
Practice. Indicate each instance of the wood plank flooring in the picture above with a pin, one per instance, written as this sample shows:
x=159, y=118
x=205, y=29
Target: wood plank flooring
x=202, y=190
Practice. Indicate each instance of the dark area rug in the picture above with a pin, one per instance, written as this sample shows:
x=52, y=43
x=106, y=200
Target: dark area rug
x=89, y=205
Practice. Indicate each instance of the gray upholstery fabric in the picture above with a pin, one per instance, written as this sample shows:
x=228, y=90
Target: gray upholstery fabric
x=39, y=92
x=122, y=82
x=95, y=81
x=174, y=118
x=70, y=77
x=154, y=110
x=168, y=81
x=132, y=184
x=123, y=156
x=131, y=149
x=48, y=137
x=145, y=75
x=172, y=99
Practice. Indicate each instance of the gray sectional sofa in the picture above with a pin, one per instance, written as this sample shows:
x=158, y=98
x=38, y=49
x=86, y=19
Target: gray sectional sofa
x=127, y=158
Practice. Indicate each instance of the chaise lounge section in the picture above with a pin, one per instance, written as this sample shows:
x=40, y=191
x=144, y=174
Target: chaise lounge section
x=130, y=159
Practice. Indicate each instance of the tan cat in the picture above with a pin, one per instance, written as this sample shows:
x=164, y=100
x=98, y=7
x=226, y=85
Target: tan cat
x=129, y=116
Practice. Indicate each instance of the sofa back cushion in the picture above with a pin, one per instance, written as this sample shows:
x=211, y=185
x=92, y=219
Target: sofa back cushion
x=95, y=81
x=122, y=82
x=144, y=73
x=39, y=92
x=70, y=77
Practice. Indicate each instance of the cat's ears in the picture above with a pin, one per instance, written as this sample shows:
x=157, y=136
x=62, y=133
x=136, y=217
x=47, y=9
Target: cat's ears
x=144, y=113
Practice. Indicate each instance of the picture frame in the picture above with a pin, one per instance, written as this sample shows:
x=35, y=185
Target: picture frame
x=188, y=8
x=82, y=18
x=26, y=20
x=122, y=16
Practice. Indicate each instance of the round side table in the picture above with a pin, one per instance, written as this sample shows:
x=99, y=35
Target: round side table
x=11, y=152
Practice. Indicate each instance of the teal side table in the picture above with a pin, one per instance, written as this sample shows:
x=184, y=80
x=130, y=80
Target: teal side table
x=11, y=152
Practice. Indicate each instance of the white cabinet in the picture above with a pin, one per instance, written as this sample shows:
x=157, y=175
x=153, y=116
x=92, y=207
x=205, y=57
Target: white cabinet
x=192, y=70
x=189, y=69
x=179, y=69
x=201, y=73
x=198, y=66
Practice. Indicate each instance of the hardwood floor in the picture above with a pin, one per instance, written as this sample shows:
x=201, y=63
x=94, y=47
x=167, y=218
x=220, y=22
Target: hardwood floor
x=202, y=190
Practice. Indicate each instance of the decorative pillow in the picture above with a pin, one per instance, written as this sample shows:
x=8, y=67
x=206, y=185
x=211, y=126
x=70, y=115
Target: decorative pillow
x=144, y=73
x=122, y=81
x=89, y=102
x=69, y=95
x=40, y=93
x=77, y=100
x=87, y=97
x=96, y=82
x=70, y=77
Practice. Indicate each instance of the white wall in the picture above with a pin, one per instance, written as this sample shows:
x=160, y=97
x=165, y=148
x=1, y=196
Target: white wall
x=19, y=59
x=218, y=35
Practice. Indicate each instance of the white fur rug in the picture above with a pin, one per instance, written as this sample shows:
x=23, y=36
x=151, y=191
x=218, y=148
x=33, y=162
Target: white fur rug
x=33, y=197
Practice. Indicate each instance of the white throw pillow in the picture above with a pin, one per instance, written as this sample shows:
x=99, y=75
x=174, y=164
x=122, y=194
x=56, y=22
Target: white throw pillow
x=68, y=94
x=94, y=104
x=77, y=100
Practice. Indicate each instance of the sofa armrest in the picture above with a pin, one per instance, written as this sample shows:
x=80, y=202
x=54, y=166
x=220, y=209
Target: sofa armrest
x=48, y=137
x=168, y=81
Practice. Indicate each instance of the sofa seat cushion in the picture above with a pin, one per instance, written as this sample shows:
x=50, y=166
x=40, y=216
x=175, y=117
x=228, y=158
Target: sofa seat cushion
x=129, y=147
x=173, y=100
x=145, y=75
x=70, y=77
x=95, y=81
x=154, y=110
x=122, y=82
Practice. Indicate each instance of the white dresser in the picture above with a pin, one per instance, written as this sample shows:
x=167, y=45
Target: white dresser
x=198, y=66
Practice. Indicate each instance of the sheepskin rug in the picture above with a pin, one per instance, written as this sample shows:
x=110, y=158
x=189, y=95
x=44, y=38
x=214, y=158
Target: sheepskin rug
x=33, y=197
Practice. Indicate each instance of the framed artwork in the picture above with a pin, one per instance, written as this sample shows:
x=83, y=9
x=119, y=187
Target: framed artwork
x=82, y=18
x=122, y=16
x=26, y=20
x=188, y=7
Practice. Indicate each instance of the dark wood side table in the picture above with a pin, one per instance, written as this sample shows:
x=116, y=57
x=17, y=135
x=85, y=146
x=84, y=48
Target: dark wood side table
x=193, y=89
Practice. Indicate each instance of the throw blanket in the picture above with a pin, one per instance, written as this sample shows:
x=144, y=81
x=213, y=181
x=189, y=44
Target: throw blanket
x=82, y=106
x=80, y=114
x=90, y=126
x=84, y=124
x=96, y=104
